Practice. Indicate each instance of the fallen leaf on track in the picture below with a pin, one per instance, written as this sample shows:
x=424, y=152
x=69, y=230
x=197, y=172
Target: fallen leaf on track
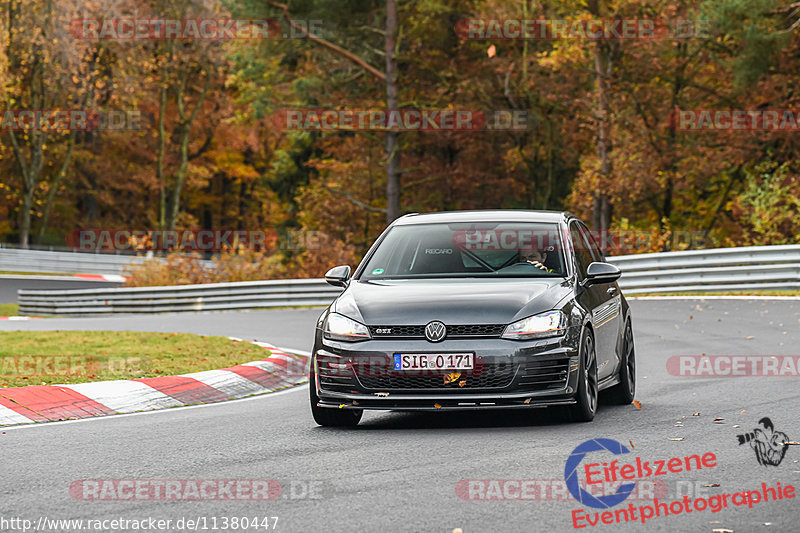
x=637, y=404
x=718, y=419
x=631, y=443
x=677, y=438
x=696, y=414
x=711, y=485
x=450, y=378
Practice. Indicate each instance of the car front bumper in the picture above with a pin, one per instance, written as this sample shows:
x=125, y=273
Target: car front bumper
x=514, y=374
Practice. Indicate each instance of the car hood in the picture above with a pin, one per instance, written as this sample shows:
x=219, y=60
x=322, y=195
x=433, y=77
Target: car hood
x=467, y=301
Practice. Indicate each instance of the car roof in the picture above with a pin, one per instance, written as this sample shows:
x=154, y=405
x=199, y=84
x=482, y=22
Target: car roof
x=487, y=215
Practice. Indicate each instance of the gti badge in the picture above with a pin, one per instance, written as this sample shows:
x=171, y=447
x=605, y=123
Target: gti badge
x=435, y=331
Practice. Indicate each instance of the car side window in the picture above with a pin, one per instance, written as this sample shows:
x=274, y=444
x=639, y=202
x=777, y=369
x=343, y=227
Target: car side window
x=597, y=255
x=583, y=256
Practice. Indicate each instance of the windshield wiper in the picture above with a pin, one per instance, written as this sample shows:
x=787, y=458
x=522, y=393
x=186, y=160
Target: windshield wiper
x=478, y=260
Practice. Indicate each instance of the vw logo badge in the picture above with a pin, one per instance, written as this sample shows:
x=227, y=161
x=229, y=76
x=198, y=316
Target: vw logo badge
x=435, y=331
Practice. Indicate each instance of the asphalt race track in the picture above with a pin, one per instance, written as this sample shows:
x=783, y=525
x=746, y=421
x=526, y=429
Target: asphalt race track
x=399, y=471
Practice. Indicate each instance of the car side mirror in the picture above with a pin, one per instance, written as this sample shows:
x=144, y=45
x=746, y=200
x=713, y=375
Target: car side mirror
x=599, y=273
x=338, y=276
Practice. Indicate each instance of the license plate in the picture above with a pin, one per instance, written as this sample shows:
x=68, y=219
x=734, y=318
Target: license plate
x=434, y=361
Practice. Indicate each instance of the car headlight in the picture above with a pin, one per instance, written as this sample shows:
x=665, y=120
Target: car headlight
x=339, y=327
x=549, y=324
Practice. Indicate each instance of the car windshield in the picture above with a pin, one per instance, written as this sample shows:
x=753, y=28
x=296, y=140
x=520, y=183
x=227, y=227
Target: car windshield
x=495, y=249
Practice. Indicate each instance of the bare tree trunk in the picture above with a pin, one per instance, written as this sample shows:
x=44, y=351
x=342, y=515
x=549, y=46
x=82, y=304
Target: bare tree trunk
x=31, y=171
x=162, y=148
x=186, y=130
x=162, y=144
x=392, y=137
x=51, y=195
x=602, y=205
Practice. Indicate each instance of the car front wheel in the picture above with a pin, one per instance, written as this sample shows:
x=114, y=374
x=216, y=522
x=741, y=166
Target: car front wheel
x=331, y=417
x=584, y=410
x=623, y=393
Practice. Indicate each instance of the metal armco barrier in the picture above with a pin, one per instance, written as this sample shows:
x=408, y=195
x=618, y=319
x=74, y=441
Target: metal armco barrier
x=719, y=269
x=207, y=297
x=723, y=269
x=19, y=260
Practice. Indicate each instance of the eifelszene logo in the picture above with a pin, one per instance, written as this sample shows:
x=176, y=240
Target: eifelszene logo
x=571, y=474
x=597, y=473
x=770, y=445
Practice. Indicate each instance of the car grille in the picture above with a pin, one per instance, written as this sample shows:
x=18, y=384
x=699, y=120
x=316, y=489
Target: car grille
x=453, y=332
x=545, y=374
x=496, y=376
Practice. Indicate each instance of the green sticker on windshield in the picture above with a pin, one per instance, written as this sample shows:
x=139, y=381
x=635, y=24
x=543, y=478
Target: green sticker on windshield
x=377, y=272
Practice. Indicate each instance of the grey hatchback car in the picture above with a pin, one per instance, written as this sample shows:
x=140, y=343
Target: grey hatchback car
x=474, y=310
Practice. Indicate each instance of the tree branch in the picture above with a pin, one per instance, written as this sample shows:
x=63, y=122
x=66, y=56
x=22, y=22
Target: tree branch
x=327, y=44
x=354, y=200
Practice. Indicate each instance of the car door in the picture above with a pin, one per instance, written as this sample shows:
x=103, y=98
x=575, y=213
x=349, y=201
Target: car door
x=605, y=301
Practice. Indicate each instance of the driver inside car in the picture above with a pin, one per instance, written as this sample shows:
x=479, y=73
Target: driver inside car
x=535, y=258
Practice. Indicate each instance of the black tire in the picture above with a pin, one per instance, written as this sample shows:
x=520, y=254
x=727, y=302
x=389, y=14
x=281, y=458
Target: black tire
x=625, y=390
x=587, y=394
x=327, y=417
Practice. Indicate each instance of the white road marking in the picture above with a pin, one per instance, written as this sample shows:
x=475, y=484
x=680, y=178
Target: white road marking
x=266, y=366
x=115, y=417
x=125, y=396
x=229, y=383
x=9, y=416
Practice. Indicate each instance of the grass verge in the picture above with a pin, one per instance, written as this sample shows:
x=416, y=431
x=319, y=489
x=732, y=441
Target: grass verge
x=723, y=293
x=9, y=309
x=50, y=357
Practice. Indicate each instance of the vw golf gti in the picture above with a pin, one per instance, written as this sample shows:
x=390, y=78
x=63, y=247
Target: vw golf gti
x=475, y=310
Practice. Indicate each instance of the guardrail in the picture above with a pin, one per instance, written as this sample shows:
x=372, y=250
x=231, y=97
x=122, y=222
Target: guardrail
x=21, y=260
x=723, y=269
x=206, y=297
x=719, y=269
